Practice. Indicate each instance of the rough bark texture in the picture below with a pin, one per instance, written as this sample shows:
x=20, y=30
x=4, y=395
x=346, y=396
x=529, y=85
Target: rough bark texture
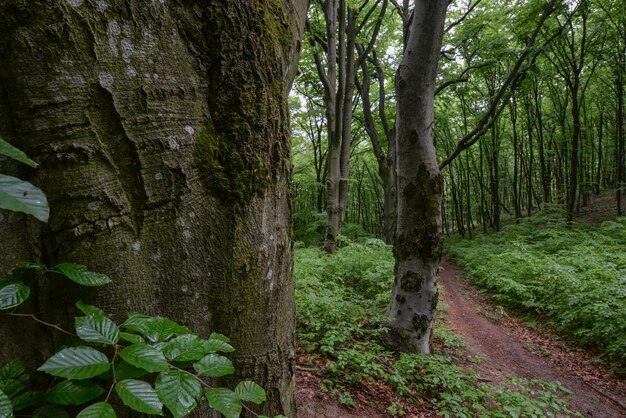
x=162, y=133
x=420, y=184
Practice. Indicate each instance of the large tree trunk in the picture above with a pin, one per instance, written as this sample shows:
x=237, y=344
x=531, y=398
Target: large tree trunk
x=163, y=138
x=420, y=184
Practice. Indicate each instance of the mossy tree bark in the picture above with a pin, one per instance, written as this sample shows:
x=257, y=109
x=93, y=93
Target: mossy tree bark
x=419, y=234
x=163, y=136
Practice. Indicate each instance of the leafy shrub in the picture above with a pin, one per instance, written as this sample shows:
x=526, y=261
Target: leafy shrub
x=18, y=195
x=128, y=357
x=339, y=296
x=576, y=276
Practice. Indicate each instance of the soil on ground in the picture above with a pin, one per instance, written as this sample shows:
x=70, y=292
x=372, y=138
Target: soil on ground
x=509, y=348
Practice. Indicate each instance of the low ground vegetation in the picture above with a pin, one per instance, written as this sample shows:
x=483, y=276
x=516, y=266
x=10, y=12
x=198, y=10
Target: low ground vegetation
x=338, y=299
x=574, y=277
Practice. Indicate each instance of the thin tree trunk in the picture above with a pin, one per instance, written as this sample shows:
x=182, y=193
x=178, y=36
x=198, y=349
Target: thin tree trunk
x=619, y=122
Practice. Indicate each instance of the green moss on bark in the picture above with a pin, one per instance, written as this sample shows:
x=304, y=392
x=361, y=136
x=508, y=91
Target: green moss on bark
x=275, y=25
x=226, y=171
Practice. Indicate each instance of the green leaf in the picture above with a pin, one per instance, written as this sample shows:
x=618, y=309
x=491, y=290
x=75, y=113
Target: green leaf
x=74, y=392
x=11, y=387
x=97, y=410
x=90, y=310
x=79, y=274
x=185, y=348
x=12, y=370
x=51, y=411
x=76, y=363
x=27, y=399
x=98, y=329
x=225, y=401
x=127, y=371
x=6, y=408
x=214, y=365
x=213, y=345
x=178, y=390
x=12, y=293
x=145, y=357
x=21, y=196
x=155, y=328
x=251, y=392
x=15, y=153
x=131, y=338
x=139, y=396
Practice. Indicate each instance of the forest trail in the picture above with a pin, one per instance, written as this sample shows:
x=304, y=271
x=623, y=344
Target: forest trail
x=508, y=348
x=505, y=347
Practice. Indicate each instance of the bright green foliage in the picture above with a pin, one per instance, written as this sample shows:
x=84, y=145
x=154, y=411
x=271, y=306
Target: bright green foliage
x=251, y=392
x=214, y=365
x=97, y=410
x=74, y=392
x=90, y=310
x=155, y=328
x=12, y=293
x=179, y=391
x=12, y=370
x=76, y=363
x=171, y=350
x=97, y=329
x=131, y=338
x=124, y=370
x=574, y=275
x=13, y=394
x=334, y=294
x=81, y=275
x=6, y=409
x=139, y=396
x=15, y=153
x=339, y=300
x=224, y=400
x=144, y=357
x=27, y=399
x=187, y=347
x=21, y=196
x=213, y=345
x=18, y=195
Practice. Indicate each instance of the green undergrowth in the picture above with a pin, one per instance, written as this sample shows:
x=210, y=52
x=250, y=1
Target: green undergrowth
x=338, y=298
x=575, y=276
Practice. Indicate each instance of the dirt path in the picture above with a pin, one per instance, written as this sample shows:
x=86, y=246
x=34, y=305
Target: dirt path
x=510, y=349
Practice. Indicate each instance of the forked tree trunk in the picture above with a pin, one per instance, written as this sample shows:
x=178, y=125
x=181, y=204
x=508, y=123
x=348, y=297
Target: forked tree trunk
x=419, y=235
x=162, y=132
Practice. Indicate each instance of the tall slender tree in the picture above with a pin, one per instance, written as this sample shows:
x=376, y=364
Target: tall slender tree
x=419, y=235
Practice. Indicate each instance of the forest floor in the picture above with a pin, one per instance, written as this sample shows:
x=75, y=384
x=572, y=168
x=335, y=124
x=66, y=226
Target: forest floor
x=511, y=348
x=506, y=346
